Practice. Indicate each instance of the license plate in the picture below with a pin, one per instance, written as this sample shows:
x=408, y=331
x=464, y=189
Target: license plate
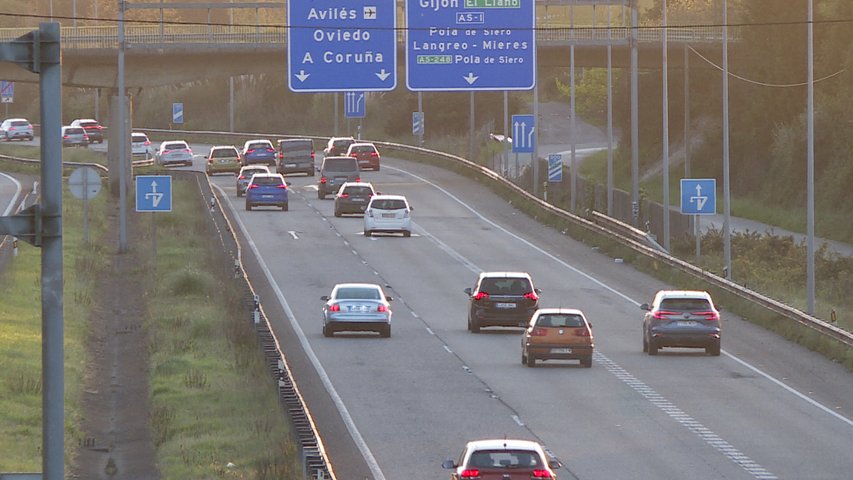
x=505, y=305
x=289, y=164
x=357, y=200
x=686, y=323
x=561, y=350
x=224, y=160
x=358, y=308
x=266, y=196
x=388, y=215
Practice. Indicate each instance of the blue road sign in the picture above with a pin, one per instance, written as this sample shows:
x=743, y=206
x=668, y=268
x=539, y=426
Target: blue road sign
x=153, y=193
x=7, y=91
x=334, y=46
x=555, y=167
x=470, y=45
x=698, y=196
x=355, y=104
x=523, y=127
x=177, y=113
x=417, y=123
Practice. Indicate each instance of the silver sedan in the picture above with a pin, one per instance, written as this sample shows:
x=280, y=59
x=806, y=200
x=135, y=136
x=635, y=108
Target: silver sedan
x=357, y=307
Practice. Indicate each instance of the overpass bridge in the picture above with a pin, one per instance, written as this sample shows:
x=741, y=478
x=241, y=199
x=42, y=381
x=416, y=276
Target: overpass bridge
x=159, y=54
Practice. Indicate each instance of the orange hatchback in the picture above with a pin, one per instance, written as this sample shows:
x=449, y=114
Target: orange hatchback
x=557, y=334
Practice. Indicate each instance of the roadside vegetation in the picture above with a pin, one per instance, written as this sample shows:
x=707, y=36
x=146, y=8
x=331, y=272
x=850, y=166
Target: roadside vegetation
x=205, y=365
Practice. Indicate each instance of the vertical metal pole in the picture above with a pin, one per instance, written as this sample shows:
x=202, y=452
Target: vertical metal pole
x=74, y=13
x=609, y=116
x=86, y=208
x=122, y=135
x=535, y=157
x=231, y=104
x=161, y=20
x=635, y=130
x=572, y=128
x=53, y=353
x=98, y=104
x=421, y=111
x=727, y=234
x=698, y=235
x=686, y=111
x=336, y=113
x=506, y=131
x=471, y=126
x=665, y=133
x=810, y=263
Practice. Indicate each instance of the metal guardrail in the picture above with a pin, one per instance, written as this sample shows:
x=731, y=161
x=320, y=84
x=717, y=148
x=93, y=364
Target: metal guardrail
x=36, y=161
x=599, y=224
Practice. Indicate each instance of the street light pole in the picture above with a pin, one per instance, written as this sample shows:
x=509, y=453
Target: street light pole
x=122, y=134
x=810, y=262
x=727, y=233
x=665, y=134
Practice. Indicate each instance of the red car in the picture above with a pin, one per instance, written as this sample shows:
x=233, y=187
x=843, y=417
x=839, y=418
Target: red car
x=366, y=154
x=503, y=459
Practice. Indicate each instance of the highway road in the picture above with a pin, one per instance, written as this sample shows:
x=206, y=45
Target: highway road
x=395, y=408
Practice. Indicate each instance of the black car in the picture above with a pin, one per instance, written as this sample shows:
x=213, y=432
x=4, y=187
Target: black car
x=353, y=198
x=681, y=318
x=334, y=172
x=502, y=299
x=296, y=155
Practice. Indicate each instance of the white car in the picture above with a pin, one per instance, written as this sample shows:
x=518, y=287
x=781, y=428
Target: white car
x=388, y=213
x=175, y=152
x=16, y=129
x=140, y=145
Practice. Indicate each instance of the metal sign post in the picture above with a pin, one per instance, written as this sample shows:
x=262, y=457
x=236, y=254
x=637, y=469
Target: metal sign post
x=85, y=184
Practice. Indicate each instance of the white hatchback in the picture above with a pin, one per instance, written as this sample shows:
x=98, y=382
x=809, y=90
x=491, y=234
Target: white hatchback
x=140, y=145
x=388, y=213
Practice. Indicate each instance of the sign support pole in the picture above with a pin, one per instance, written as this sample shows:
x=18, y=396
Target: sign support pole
x=421, y=111
x=505, y=157
x=85, y=209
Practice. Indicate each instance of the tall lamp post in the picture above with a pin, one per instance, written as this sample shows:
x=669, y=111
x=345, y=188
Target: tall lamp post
x=727, y=234
x=810, y=261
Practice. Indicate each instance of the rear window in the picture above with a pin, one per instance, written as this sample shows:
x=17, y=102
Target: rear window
x=258, y=145
x=223, y=152
x=297, y=146
x=340, y=165
x=251, y=171
x=20, y=124
x=363, y=149
x=357, y=293
x=361, y=191
x=175, y=146
x=560, y=320
x=343, y=144
x=264, y=180
x=506, y=286
x=387, y=204
x=138, y=137
x=88, y=124
x=685, y=304
x=74, y=131
x=508, y=459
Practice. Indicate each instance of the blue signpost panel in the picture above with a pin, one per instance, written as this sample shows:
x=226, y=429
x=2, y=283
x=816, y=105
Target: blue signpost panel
x=355, y=105
x=153, y=193
x=555, y=167
x=698, y=196
x=7, y=91
x=335, y=45
x=470, y=45
x=417, y=123
x=523, y=128
x=177, y=113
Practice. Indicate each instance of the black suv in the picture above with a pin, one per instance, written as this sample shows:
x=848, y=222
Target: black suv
x=296, y=155
x=353, y=198
x=502, y=299
x=334, y=172
x=681, y=318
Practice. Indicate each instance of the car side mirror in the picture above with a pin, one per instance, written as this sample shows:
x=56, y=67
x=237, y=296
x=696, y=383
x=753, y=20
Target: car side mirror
x=468, y=291
x=411, y=208
x=378, y=193
x=325, y=298
x=555, y=464
x=645, y=306
x=448, y=464
x=537, y=290
x=389, y=298
x=287, y=183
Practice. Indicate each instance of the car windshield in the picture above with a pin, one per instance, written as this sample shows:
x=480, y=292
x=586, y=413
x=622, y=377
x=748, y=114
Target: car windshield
x=685, y=304
x=358, y=293
x=504, y=459
x=267, y=181
x=388, y=204
x=20, y=124
x=223, y=152
x=360, y=191
x=340, y=165
x=505, y=286
x=560, y=320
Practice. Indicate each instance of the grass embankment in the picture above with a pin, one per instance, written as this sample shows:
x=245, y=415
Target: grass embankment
x=212, y=400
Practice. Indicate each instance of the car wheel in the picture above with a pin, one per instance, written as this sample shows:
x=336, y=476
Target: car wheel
x=310, y=173
x=531, y=361
x=239, y=194
x=407, y=233
x=327, y=331
x=713, y=349
x=376, y=169
x=337, y=213
x=474, y=326
x=645, y=344
x=586, y=362
x=653, y=348
x=321, y=195
x=367, y=233
x=284, y=207
x=248, y=207
x=385, y=332
x=523, y=357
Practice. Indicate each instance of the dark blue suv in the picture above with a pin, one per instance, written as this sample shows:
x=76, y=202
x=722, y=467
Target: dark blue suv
x=258, y=151
x=267, y=189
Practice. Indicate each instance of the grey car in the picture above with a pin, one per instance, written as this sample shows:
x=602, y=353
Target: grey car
x=353, y=197
x=296, y=155
x=336, y=171
x=681, y=318
x=357, y=307
x=16, y=129
x=74, y=137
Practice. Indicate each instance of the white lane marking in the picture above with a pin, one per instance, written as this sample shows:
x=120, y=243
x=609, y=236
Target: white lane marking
x=613, y=290
x=447, y=348
x=429, y=330
x=372, y=464
x=14, y=197
x=518, y=420
x=293, y=234
x=684, y=419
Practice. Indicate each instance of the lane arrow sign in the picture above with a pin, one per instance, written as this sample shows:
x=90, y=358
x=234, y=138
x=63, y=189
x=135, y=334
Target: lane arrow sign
x=383, y=75
x=471, y=78
x=302, y=76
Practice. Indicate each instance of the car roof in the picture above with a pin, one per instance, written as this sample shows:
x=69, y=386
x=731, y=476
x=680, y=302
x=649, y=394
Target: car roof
x=357, y=184
x=389, y=197
x=230, y=147
x=501, y=444
x=269, y=174
x=258, y=140
x=139, y=133
x=358, y=285
x=558, y=311
x=683, y=294
x=362, y=144
x=175, y=141
x=255, y=167
x=15, y=120
x=284, y=140
x=342, y=138
x=85, y=120
x=504, y=274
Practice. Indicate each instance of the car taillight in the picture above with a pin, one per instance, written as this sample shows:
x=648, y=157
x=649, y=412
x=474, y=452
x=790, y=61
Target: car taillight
x=334, y=308
x=147, y=143
x=344, y=195
x=481, y=295
x=166, y=152
x=250, y=151
x=357, y=179
x=280, y=156
x=251, y=186
x=531, y=296
x=312, y=155
x=353, y=155
x=470, y=473
x=710, y=315
x=663, y=314
x=538, y=332
x=241, y=177
x=210, y=161
x=582, y=332
x=65, y=136
x=381, y=308
x=374, y=154
x=99, y=127
x=270, y=149
x=538, y=473
x=322, y=179
x=283, y=186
